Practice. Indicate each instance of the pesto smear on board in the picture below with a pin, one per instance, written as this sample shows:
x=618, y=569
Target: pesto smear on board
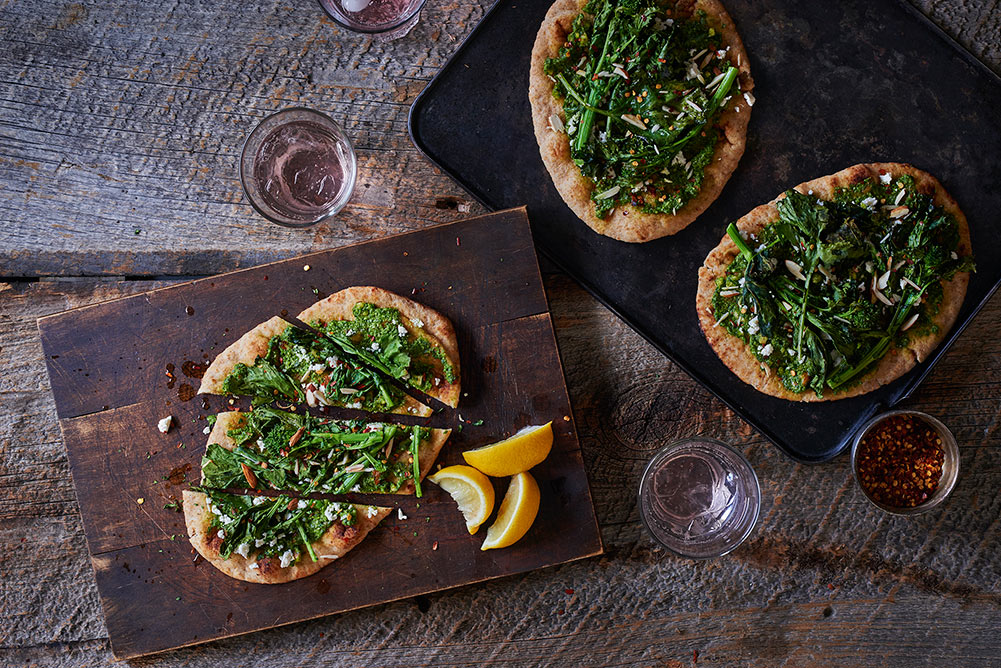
x=642, y=85
x=823, y=293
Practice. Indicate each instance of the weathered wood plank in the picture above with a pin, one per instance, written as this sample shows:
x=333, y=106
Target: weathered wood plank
x=123, y=124
x=763, y=606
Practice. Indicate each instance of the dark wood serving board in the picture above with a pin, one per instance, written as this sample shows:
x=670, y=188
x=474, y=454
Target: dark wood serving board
x=108, y=367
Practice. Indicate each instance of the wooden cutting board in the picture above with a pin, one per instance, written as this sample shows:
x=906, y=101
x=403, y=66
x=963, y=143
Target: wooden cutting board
x=116, y=368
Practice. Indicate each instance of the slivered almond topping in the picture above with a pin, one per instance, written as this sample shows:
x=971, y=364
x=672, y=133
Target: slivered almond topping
x=296, y=436
x=899, y=212
x=249, y=475
x=354, y=469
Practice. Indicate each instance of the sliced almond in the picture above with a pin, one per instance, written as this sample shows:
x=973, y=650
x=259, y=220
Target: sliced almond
x=296, y=436
x=899, y=212
x=249, y=475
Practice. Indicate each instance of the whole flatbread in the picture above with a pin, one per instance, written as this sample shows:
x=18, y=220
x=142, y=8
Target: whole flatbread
x=417, y=318
x=334, y=544
x=737, y=355
x=629, y=223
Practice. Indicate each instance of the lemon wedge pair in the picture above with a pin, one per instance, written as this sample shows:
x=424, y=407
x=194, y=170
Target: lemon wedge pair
x=474, y=493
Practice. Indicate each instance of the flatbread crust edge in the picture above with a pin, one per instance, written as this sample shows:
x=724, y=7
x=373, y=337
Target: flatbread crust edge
x=736, y=355
x=244, y=350
x=437, y=327
x=334, y=544
x=628, y=223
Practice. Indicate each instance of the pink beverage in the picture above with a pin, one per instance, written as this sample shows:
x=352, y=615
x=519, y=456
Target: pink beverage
x=391, y=18
x=298, y=168
x=699, y=498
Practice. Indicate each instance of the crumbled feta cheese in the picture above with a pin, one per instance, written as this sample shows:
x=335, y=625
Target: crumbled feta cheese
x=749, y=98
x=354, y=404
x=869, y=202
x=752, y=326
x=399, y=513
x=350, y=332
x=301, y=504
x=330, y=512
x=164, y=424
x=375, y=346
x=253, y=566
x=287, y=558
x=225, y=519
x=260, y=444
x=207, y=430
x=953, y=255
x=419, y=323
x=372, y=511
x=243, y=549
x=885, y=178
x=259, y=542
x=766, y=350
x=221, y=533
x=402, y=330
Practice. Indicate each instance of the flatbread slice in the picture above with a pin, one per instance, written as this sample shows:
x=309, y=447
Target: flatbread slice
x=417, y=319
x=337, y=541
x=254, y=345
x=736, y=355
x=629, y=223
x=427, y=451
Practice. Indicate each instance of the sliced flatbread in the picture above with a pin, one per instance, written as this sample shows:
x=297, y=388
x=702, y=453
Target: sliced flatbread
x=418, y=319
x=334, y=544
x=738, y=356
x=629, y=223
x=254, y=344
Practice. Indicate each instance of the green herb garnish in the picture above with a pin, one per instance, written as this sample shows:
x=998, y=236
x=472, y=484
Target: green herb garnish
x=642, y=87
x=825, y=292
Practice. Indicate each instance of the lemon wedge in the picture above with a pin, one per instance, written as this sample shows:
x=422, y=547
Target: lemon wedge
x=516, y=515
x=470, y=489
x=515, y=454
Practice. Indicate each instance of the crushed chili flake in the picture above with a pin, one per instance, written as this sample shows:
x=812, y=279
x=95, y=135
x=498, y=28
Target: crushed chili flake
x=899, y=461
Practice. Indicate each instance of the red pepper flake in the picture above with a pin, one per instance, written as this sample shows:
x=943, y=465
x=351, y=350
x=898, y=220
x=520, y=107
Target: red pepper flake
x=434, y=545
x=899, y=461
x=457, y=242
x=569, y=592
x=695, y=656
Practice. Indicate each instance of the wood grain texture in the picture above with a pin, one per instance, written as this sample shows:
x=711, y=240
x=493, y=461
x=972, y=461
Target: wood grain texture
x=98, y=129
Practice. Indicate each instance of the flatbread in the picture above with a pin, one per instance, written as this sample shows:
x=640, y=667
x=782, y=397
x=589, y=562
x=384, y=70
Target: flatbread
x=334, y=544
x=254, y=344
x=628, y=223
x=417, y=318
x=738, y=356
x=427, y=453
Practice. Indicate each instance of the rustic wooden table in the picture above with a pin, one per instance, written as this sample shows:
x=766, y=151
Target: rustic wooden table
x=120, y=130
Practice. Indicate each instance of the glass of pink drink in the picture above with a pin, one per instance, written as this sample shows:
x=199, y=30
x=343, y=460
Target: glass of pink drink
x=298, y=168
x=389, y=19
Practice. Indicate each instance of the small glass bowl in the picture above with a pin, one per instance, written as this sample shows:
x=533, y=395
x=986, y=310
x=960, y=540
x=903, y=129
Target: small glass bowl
x=950, y=463
x=343, y=151
x=394, y=28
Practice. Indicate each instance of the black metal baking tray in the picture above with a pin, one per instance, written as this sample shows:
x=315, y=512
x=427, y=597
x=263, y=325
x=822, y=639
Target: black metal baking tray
x=837, y=83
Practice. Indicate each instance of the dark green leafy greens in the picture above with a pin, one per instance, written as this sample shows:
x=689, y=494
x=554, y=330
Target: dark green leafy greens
x=642, y=85
x=827, y=290
x=303, y=454
x=278, y=527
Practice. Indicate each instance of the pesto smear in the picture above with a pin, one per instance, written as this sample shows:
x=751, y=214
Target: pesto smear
x=824, y=292
x=642, y=85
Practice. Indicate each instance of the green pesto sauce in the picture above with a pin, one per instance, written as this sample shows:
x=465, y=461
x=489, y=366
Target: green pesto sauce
x=381, y=330
x=865, y=237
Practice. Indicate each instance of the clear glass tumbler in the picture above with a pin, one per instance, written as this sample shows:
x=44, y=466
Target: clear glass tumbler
x=298, y=167
x=699, y=498
x=388, y=19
